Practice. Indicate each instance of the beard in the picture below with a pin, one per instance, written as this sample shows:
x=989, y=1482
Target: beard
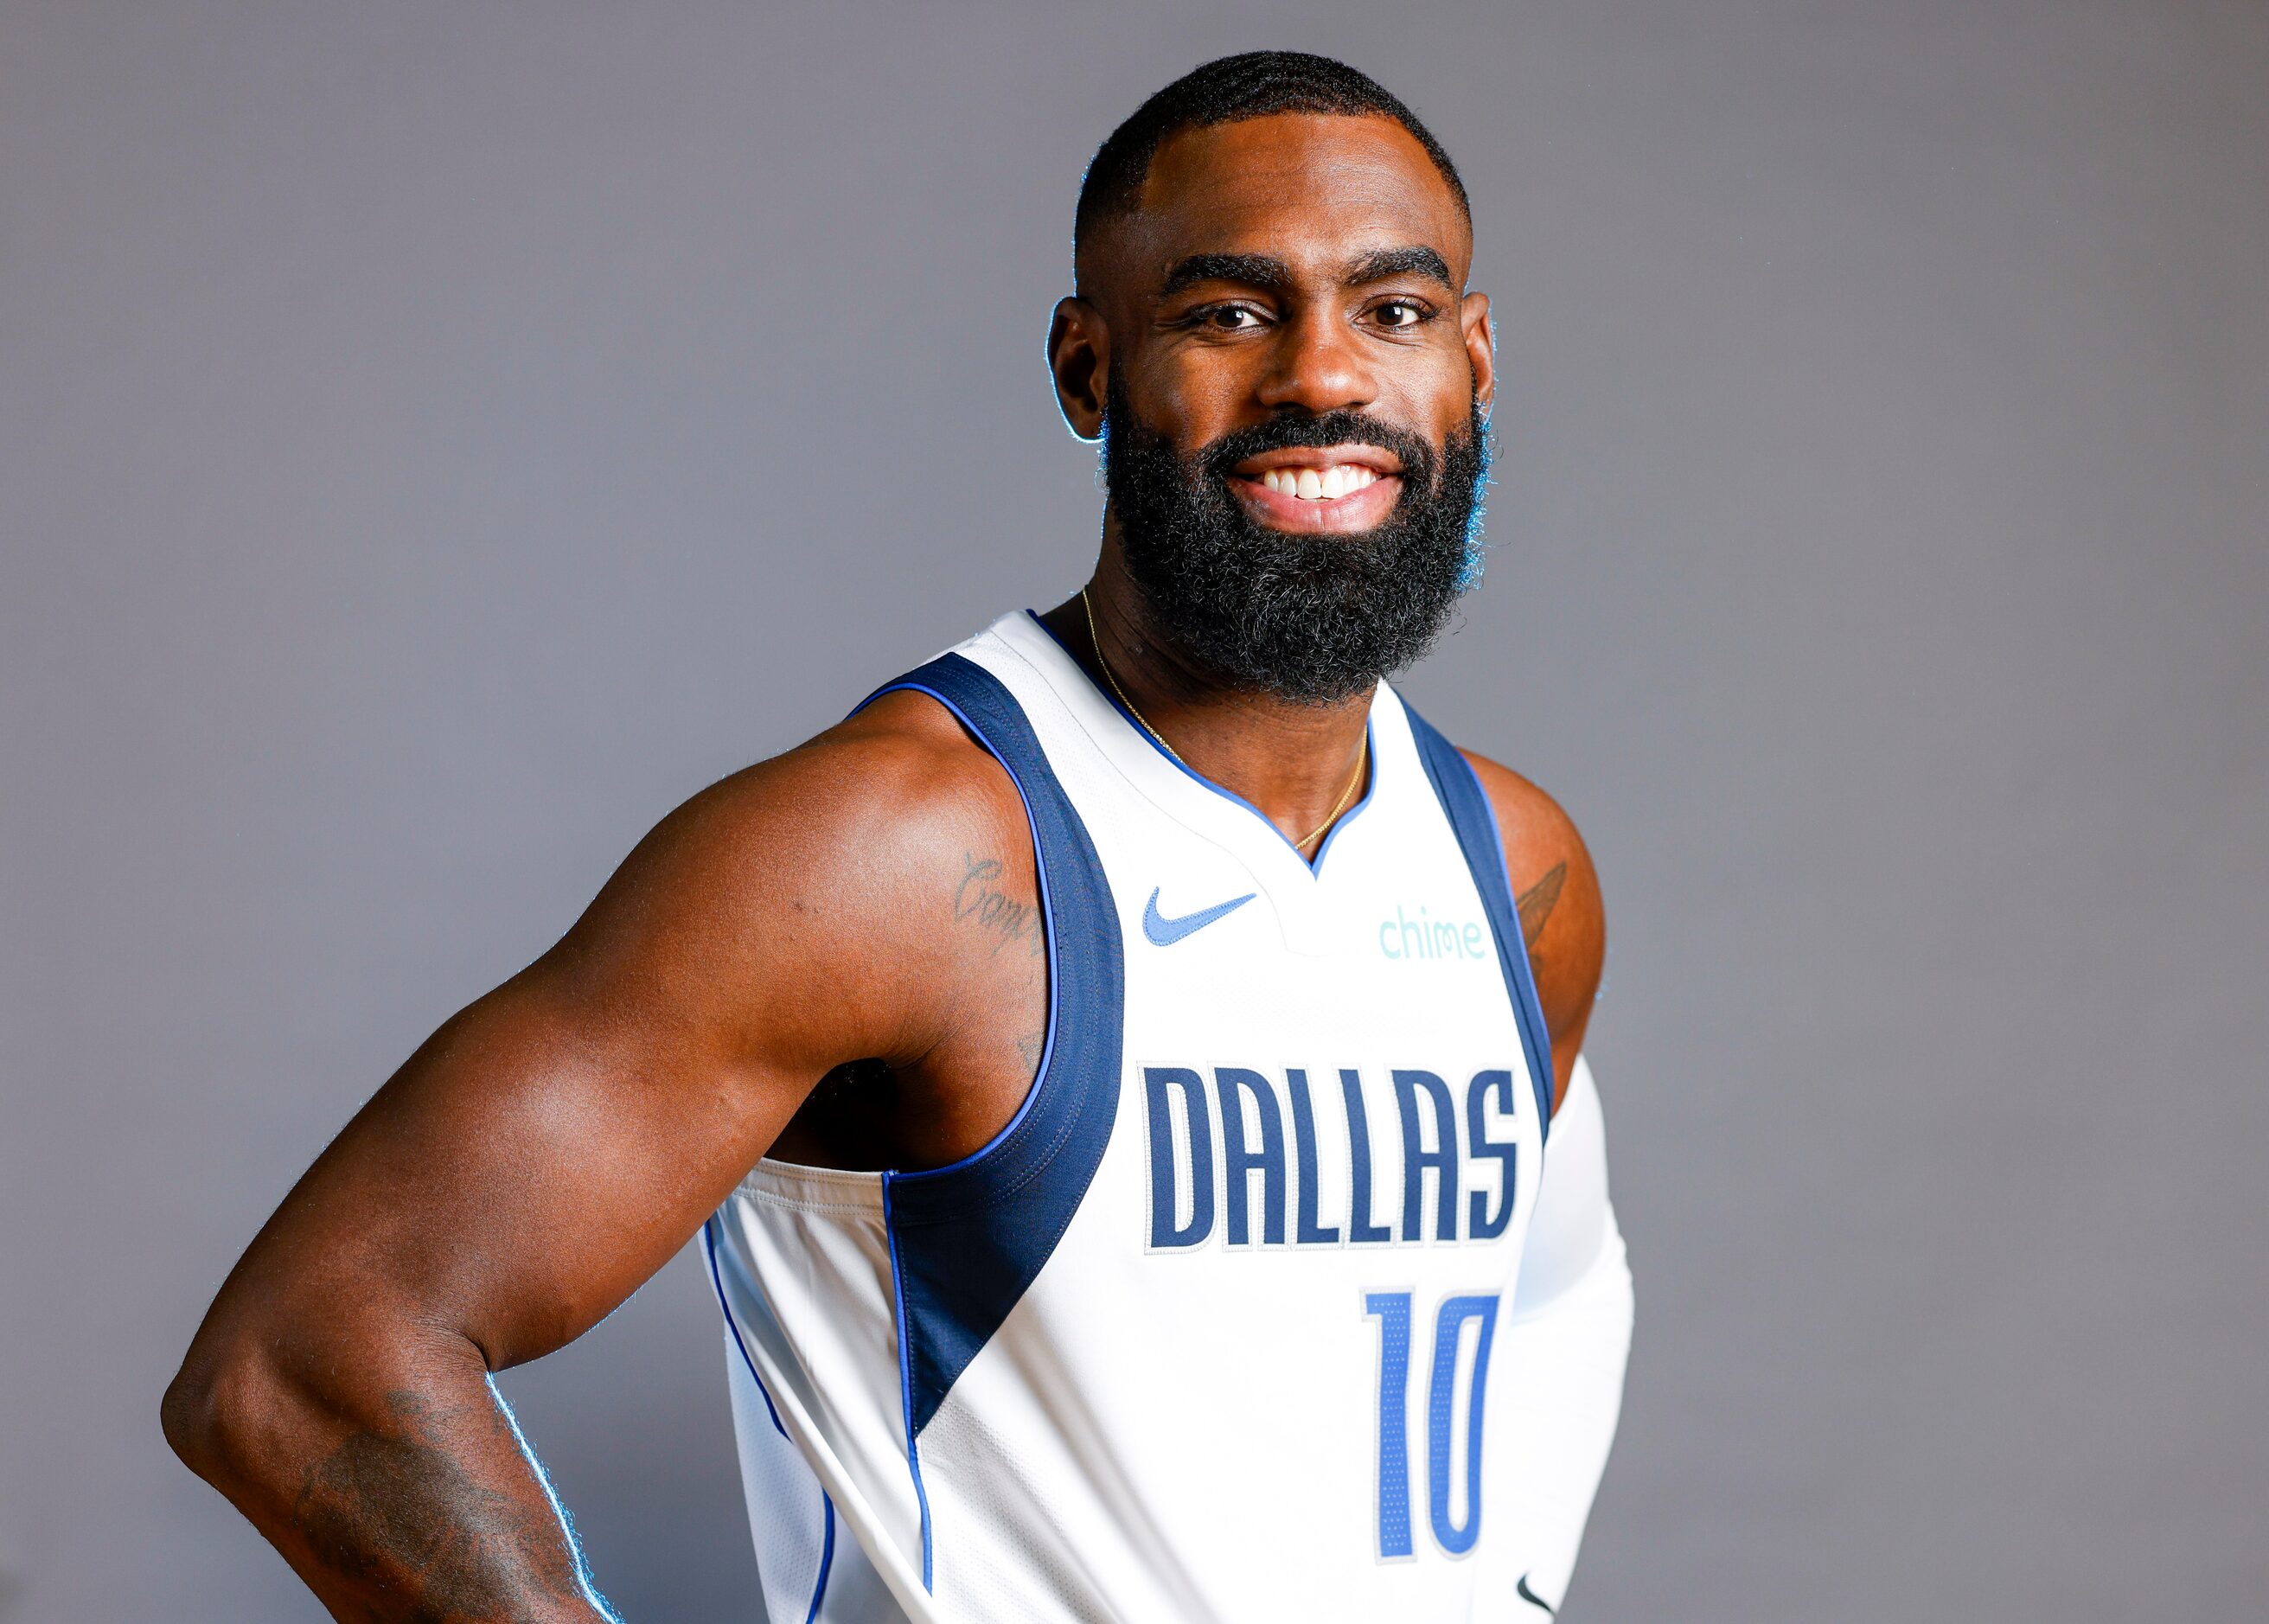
x=1313, y=619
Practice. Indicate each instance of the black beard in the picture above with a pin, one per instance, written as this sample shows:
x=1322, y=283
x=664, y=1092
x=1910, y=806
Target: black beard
x=1313, y=619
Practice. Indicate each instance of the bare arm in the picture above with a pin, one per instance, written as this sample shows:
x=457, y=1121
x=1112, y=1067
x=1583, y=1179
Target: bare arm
x=555, y=1143
x=1562, y=917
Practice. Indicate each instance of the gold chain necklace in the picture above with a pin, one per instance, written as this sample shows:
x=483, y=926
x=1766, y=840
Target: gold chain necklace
x=1362, y=755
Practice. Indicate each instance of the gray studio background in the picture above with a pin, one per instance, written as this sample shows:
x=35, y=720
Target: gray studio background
x=436, y=439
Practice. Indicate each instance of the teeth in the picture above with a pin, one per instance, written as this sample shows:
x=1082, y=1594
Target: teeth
x=1324, y=484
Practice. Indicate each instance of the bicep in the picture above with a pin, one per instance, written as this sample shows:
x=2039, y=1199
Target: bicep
x=553, y=1144
x=520, y=1174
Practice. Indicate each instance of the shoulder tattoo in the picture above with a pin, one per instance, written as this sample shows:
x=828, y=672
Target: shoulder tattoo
x=979, y=903
x=1537, y=901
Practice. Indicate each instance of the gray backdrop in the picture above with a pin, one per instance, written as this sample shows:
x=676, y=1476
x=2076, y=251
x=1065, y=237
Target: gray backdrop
x=436, y=439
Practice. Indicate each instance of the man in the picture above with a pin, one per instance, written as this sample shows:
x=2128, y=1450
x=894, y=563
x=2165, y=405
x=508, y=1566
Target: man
x=1107, y=1070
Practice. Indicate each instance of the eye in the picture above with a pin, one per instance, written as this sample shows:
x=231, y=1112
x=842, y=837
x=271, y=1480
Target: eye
x=1231, y=318
x=1399, y=313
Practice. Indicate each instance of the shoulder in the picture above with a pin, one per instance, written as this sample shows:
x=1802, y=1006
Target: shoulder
x=901, y=776
x=838, y=815
x=1562, y=917
x=792, y=898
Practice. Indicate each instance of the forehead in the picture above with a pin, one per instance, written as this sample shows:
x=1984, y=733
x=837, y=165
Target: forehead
x=1314, y=190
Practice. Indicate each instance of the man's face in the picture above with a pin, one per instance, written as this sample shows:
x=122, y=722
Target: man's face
x=1292, y=396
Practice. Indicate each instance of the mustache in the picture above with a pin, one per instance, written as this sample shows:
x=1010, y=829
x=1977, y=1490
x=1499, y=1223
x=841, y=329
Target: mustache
x=1332, y=428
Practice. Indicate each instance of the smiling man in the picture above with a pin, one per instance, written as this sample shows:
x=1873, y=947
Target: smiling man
x=1111, y=1073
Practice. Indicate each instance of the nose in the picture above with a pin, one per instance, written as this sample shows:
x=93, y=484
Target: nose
x=1316, y=367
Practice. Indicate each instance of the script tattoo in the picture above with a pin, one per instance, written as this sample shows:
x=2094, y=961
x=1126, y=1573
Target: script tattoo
x=1537, y=901
x=978, y=900
x=398, y=1514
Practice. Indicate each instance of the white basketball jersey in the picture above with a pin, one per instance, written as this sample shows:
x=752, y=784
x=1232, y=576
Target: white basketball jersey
x=1205, y=1333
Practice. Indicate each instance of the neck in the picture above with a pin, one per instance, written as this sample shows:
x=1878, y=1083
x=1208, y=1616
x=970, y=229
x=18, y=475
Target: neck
x=1292, y=760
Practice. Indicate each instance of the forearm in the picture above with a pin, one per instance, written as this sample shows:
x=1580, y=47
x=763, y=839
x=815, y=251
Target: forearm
x=392, y=1479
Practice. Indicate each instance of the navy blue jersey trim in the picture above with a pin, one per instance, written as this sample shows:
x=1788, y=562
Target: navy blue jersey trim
x=826, y=1501
x=1475, y=824
x=968, y=1239
x=1151, y=739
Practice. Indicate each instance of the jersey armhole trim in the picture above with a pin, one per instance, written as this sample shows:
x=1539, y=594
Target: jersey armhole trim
x=1474, y=820
x=968, y=1239
x=1047, y=924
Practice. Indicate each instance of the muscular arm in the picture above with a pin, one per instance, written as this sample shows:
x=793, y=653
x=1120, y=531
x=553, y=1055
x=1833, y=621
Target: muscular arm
x=555, y=1143
x=1562, y=917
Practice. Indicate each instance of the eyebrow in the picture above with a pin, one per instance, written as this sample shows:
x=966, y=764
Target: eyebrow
x=1415, y=260
x=1265, y=270
x=1260, y=270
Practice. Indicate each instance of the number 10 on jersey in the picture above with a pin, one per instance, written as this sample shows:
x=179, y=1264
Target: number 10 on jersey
x=1391, y=1309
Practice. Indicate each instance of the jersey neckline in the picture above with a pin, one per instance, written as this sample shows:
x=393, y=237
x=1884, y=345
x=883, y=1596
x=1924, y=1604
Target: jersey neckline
x=1374, y=769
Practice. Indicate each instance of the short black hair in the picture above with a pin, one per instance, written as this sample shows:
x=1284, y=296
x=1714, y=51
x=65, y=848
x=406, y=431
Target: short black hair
x=1227, y=91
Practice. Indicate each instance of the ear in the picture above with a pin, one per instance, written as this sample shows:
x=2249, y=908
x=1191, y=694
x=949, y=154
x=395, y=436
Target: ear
x=1079, y=360
x=1481, y=347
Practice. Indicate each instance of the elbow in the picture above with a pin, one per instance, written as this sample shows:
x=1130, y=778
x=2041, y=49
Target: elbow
x=195, y=1413
x=185, y=1414
x=219, y=1407
x=256, y=1393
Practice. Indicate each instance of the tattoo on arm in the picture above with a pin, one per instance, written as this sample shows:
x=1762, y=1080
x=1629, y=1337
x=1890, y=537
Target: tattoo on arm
x=1536, y=902
x=979, y=901
x=397, y=1515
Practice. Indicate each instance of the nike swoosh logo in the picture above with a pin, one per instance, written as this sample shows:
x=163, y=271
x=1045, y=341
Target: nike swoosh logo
x=1528, y=1595
x=1166, y=932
